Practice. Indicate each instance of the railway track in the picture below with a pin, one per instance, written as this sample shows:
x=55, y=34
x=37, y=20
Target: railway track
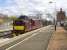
x=6, y=33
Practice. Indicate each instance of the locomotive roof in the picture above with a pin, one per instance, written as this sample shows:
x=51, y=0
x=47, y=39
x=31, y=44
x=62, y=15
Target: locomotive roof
x=23, y=17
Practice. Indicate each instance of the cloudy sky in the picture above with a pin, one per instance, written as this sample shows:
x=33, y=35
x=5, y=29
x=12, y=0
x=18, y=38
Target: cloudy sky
x=17, y=7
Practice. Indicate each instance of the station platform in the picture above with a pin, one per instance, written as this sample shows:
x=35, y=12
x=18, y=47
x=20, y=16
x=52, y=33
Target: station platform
x=3, y=40
x=58, y=40
x=33, y=40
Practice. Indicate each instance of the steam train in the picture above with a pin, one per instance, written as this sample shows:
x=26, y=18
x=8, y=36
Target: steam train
x=24, y=24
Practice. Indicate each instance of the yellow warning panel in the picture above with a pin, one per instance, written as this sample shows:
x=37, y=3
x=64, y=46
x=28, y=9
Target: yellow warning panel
x=19, y=27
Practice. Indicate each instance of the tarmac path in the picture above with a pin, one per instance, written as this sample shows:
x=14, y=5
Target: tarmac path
x=58, y=40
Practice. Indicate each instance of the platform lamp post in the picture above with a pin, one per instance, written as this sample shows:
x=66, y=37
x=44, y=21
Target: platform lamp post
x=55, y=20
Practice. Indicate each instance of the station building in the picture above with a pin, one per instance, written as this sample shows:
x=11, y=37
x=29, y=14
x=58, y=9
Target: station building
x=61, y=15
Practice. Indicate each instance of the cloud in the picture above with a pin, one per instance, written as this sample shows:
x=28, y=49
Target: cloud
x=16, y=7
x=31, y=5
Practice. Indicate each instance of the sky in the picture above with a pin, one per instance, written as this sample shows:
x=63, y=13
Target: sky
x=28, y=7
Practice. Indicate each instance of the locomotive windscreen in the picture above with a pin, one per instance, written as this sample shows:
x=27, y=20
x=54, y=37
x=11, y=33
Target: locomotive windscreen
x=19, y=22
